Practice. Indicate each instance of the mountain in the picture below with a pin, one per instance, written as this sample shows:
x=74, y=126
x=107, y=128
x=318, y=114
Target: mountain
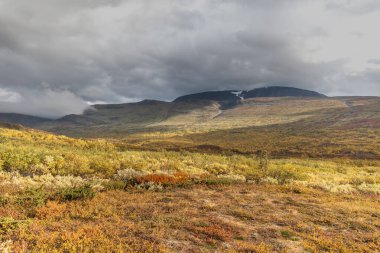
x=279, y=91
x=226, y=99
x=231, y=98
x=234, y=95
x=208, y=111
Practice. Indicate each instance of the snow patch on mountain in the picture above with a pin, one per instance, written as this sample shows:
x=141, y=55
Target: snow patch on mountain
x=238, y=94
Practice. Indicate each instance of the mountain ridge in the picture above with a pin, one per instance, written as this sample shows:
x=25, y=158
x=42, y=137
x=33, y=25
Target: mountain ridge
x=271, y=91
x=281, y=91
x=226, y=98
x=193, y=112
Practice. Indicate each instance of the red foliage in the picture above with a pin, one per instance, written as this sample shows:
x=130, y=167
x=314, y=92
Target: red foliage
x=177, y=177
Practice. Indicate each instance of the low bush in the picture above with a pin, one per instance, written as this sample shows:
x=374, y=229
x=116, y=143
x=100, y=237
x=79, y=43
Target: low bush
x=217, y=181
x=284, y=174
x=3, y=201
x=128, y=176
x=233, y=178
x=218, y=168
x=164, y=179
x=32, y=198
x=255, y=177
x=83, y=192
x=114, y=185
x=356, y=181
x=8, y=224
x=151, y=186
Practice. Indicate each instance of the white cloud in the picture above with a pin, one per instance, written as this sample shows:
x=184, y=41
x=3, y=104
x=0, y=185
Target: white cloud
x=44, y=103
x=9, y=96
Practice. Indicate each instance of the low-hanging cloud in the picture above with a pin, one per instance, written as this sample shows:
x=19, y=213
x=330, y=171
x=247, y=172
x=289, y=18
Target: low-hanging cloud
x=44, y=103
x=57, y=56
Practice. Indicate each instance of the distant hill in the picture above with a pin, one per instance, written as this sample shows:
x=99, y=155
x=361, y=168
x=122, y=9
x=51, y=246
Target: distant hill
x=226, y=98
x=230, y=98
x=195, y=112
x=208, y=95
x=273, y=91
x=26, y=120
x=279, y=91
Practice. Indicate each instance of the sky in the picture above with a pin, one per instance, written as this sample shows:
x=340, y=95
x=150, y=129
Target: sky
x=58, y=56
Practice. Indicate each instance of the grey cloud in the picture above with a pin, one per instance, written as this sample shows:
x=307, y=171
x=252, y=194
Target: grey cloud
x=374, y=61
x=117, y=51
x=361, y=7
x=241, y=60
x=371, y=77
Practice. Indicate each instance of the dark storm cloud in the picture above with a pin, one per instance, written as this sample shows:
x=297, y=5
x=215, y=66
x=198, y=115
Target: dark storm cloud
x=55, y=55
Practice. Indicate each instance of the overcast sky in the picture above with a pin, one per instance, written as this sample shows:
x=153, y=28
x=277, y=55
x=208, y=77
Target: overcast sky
x=58, y=55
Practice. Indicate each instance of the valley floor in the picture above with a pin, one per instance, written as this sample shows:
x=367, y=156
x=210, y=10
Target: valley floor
x=200, y=218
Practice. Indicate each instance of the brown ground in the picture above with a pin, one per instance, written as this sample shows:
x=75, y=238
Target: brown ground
x=234, y=218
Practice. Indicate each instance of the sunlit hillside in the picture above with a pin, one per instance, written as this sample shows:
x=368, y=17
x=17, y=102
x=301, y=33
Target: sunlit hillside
x=204, y=116
x=77, y=195
x=252, y=112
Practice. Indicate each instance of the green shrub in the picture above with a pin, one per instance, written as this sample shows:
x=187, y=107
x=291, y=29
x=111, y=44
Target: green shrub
x=287, y=234
x=32, y=198
x=3, y=201
x=284, y=174
x=114, y=185
x=218, y=181
x=218, y=168
x=83, y=192
x=263, y=161
x=75, y=164
x=103, y=165
x=255, y=177
x=362, y=180
x=8, y=224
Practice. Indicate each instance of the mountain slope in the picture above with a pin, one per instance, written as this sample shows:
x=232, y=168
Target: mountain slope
x=279, y=91
x=346, y=127
x=26, y=120
x=200, y=112
x=115, y=119
x=204, y=116
x=226, y=99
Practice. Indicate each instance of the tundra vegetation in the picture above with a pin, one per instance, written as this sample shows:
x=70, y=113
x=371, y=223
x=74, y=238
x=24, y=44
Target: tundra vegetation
x=269, y=175
x=60, y=194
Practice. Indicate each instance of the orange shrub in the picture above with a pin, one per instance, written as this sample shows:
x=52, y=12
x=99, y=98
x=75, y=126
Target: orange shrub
x=215, y=231
x=163, y=178
x=181, y=176
x=52, y=210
